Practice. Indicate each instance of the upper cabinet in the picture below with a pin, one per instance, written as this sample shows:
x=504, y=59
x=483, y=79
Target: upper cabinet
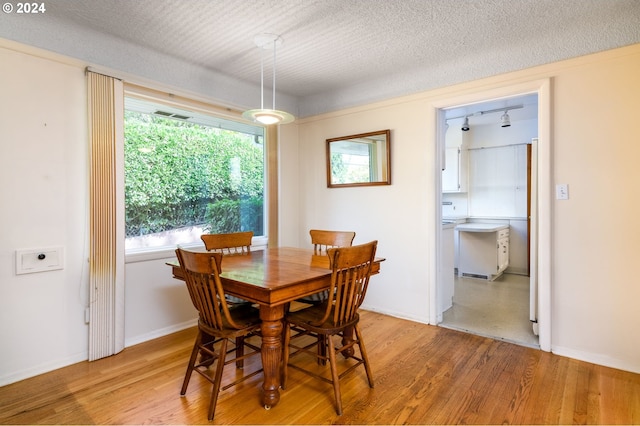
x=454, y=175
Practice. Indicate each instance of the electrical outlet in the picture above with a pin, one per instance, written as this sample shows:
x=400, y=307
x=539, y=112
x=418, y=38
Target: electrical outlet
x=562, y=191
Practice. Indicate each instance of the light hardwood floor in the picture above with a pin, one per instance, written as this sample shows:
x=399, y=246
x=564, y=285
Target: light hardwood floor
x=423, y=375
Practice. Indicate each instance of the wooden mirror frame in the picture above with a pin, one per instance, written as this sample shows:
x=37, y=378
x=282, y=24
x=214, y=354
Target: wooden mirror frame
x=375, y=148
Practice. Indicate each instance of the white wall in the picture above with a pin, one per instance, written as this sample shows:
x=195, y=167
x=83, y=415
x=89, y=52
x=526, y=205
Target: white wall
x=594, y=293
x=44, y=193
x=596, y=232
x=398, y=216
x=44, y=185
x=156, y=304
x=486, y=135
x=288, y=169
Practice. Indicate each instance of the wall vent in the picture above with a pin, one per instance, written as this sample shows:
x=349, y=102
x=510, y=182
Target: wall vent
x=172, y=115
x=468, y=275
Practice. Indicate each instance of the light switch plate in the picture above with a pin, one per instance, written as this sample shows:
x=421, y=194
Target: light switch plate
x=39, y=260
x=562, y=191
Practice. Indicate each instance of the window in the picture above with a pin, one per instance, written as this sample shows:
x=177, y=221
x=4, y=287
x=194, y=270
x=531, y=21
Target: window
x=187, y=173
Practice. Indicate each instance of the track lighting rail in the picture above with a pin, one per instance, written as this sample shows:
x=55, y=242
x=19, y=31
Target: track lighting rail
x=479, y=113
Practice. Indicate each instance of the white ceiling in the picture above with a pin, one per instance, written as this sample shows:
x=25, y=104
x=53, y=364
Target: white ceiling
x=335, y=53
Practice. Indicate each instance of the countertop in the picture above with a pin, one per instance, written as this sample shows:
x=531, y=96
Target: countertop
x=480, y=227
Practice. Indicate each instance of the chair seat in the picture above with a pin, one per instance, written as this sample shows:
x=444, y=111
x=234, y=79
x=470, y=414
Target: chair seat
x=315, y=298
x=244, y=315
x=308, y=319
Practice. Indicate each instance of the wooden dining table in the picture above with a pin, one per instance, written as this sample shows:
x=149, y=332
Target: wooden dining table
x=272, y=278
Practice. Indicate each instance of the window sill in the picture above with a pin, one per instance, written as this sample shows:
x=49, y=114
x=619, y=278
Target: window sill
x=157, y=253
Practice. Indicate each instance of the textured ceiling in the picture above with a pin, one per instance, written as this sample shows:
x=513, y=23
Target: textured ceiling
x=335, y=53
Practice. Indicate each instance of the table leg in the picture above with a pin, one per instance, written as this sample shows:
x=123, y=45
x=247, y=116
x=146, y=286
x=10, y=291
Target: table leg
x=271, y=330
x=347, y=338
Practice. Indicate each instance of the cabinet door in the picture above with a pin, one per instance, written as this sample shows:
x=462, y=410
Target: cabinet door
x=503, y=254
x=451, y=172
x=478, y=254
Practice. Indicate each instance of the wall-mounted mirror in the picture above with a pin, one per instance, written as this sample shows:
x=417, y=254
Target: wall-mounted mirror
x=359, y=160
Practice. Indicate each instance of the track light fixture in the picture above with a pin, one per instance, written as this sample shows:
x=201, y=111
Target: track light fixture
x=465, y=125
x=504, y=120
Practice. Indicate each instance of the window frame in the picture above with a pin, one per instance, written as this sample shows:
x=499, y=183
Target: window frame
x=270, y=168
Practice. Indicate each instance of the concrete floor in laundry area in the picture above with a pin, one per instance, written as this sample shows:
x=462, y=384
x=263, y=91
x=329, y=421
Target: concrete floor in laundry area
x=497, y=309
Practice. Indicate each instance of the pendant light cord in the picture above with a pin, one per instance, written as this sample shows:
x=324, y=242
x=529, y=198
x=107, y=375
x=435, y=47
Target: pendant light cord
x=273, y=101
x=274, y=75
x=268, y=116
x=262, y=79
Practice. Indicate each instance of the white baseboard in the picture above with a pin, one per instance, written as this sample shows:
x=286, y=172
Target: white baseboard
x=400, y=315
x=599, y=359
x=131, y=341
x=16, y=376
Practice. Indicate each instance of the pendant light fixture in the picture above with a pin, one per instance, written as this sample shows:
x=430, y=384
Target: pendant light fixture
x=264, y=115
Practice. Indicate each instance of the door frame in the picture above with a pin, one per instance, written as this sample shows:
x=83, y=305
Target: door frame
x=542, y=212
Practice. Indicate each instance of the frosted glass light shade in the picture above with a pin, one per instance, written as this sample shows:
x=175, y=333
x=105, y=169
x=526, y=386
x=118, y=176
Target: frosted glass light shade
x=268, y=116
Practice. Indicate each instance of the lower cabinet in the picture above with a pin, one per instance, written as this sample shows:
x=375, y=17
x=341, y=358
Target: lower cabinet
x=484, y=250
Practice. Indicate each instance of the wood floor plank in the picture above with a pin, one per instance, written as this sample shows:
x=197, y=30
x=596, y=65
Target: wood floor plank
x=423, y=375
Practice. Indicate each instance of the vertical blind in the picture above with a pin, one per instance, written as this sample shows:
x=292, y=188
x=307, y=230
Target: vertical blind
x=106, y=233
x=498, y=181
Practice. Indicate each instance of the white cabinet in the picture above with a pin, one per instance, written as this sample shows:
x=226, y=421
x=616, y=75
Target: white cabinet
x=484, y=250
x=454, y=175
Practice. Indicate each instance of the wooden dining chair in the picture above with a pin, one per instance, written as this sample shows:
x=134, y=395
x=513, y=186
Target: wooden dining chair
x=232, y=244
x=236, y=243
x=217, y=323
x=324, y=240
x=336, y=318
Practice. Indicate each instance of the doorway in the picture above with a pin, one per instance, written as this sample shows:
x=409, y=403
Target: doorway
x=472, y=108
